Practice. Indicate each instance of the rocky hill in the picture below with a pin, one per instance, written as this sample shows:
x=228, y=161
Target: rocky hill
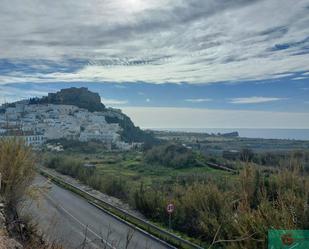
x=83, y=98
x=80, y=97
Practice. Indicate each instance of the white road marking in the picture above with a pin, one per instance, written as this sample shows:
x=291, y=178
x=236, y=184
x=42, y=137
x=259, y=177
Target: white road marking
x=79, y=222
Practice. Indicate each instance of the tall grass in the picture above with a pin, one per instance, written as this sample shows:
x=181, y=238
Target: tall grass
x=114, y=186
x=237, y=216
x=17, y=167
x=235, y=213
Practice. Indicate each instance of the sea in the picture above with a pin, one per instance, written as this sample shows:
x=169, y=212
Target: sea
x=294, y=134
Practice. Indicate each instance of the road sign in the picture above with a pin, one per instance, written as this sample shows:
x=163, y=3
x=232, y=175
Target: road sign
x=170, y=208
x=288, y=239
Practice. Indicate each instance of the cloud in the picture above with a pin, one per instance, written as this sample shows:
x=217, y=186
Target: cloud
x=147, y=117
x=198, y=100
x=282, y=75
x=106, y=101
x=254, y=100
x=198, y=41
x=148, y=100
x=10, y=93
x=300, y=78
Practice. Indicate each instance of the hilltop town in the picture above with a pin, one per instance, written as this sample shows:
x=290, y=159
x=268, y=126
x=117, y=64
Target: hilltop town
x=58, y=116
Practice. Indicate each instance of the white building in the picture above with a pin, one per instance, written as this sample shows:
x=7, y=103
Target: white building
x=34, y=140
x=62, y=121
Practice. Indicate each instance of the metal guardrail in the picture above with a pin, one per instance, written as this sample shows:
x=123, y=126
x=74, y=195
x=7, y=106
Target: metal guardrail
x=143, y=225
x=217, y=166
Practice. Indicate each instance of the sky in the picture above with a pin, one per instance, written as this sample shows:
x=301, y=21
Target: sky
x=165, y=63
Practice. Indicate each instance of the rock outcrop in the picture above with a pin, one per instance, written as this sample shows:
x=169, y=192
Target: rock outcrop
x=5, y=241
x=80, y=97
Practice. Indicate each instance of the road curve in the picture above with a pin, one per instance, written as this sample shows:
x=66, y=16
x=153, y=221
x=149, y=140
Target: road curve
x=73, y=222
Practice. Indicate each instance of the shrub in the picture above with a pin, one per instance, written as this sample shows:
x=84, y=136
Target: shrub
x=174, y=156
x=114, y=186
x=237, y=215
x=17, y=167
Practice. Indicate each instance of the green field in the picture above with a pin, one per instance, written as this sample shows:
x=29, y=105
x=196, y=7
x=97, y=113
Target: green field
x=130, y=167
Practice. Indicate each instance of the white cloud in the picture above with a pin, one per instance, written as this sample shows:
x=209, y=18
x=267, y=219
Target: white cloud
x=278, y=76
x=148, y=100
x=196, y=41
x=113, y=101
x=254, y=100
x=198, y=100
x=11, y=94
x=300, y=78
x=147, y=117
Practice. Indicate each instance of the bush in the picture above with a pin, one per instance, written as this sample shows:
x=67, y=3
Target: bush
x=174, y=156
x=115, y=186
x=238, y=215
x=67, y=165
x=17, y=167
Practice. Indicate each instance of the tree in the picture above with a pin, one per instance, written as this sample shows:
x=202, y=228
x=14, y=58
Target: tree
x=246, y=155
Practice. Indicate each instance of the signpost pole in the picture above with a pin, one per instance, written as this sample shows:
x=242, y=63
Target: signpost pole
x=170, y=209
x=170, y=221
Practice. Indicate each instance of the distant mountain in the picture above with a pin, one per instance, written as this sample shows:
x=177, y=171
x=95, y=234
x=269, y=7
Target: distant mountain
x=229, y=134
x=80, y=97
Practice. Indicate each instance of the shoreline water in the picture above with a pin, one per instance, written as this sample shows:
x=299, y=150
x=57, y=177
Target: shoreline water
x=264, y=133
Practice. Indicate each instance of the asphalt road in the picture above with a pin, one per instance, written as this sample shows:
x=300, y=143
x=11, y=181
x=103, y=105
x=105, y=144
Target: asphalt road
x=71, y=221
